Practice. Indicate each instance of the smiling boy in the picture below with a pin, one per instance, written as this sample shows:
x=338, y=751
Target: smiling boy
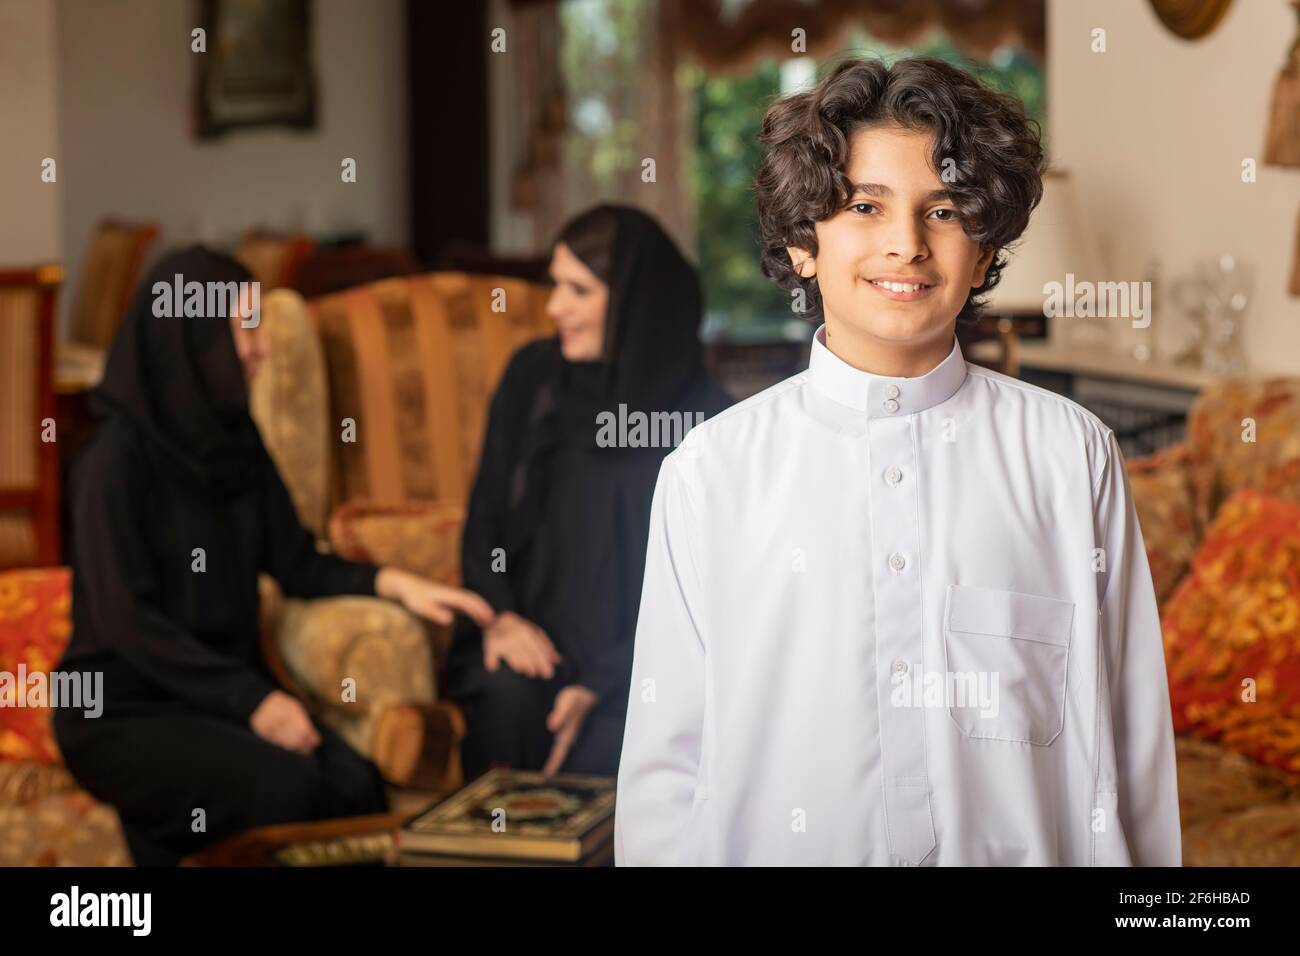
x=845, y=568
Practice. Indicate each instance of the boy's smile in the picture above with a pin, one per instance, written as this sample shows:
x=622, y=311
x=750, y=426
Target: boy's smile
x=894, y=266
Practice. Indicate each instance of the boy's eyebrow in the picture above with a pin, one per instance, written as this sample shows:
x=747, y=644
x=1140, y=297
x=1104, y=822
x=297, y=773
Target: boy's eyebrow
x=878, y=189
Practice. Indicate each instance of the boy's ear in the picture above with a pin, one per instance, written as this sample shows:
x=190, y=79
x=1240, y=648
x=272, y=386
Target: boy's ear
x=981, y=267
x=804, y=264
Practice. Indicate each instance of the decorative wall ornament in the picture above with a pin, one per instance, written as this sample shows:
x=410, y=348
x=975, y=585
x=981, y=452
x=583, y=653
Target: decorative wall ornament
x=1190, y=19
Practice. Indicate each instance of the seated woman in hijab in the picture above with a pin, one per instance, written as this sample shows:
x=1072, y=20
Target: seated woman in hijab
x=558, y=520
x=176, y=509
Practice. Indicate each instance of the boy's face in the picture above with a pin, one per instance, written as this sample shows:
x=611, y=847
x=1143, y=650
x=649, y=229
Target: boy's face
x=898, y=225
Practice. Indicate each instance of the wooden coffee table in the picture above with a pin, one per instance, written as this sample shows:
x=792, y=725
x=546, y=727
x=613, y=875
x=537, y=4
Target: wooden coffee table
x=355, y=841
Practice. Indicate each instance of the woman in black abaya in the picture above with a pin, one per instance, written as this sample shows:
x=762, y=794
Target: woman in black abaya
x=556, y=533
x=176, y=509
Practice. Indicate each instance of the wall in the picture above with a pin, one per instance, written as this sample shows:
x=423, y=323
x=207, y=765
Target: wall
x=1154, y=132
x=126, y=83
x=30, y=213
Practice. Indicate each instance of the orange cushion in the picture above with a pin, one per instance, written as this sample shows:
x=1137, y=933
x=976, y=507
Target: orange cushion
x=35, y=623
x=1236, y=620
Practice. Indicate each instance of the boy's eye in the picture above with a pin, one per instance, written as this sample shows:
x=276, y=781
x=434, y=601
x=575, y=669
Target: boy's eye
x=862, y=207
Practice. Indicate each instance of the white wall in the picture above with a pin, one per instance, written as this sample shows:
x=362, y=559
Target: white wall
x=1154, y=132
x=126, y=92
x=30, y=227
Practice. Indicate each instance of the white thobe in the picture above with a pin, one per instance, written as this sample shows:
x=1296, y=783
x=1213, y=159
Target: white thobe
x=897, y=621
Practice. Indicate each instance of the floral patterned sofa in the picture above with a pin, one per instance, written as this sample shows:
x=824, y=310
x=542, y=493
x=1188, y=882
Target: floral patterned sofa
x=1220, y=517
x=46, y=819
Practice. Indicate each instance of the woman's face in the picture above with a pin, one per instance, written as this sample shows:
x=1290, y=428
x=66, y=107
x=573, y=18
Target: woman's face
x=577, y=307
x=252, y=345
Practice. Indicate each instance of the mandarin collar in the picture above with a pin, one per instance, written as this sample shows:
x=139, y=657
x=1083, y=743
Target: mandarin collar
x=884, y=396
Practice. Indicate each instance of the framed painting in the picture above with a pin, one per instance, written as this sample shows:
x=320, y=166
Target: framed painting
x=257, y=70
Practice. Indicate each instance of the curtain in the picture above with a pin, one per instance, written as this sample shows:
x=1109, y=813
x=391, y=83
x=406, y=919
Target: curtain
x=731, y=37
x=557, y=168
x=630, y=94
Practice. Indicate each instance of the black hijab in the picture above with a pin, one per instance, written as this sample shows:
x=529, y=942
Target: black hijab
x=179, y=381
x=653, y=360
x=652, y=328
x=574, y=516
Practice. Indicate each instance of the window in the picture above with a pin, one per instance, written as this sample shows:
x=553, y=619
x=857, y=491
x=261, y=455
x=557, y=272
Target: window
x=604, y=50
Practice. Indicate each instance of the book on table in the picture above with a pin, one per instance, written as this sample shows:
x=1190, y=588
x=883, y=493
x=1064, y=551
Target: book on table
x=517, y=814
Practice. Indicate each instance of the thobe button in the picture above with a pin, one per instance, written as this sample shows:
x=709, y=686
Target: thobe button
x=897, y=561
x=893, y=475
x=891, y=405
x=891, y=391
x=900, y=667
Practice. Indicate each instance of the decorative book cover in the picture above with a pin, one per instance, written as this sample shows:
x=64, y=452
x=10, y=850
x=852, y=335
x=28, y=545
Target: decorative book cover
x=363, y=849
x=517, y=814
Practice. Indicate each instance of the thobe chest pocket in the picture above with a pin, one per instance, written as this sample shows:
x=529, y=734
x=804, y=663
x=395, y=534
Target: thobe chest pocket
x=1007, y=656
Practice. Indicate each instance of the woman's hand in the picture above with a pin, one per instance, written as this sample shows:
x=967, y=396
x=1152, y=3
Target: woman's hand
x=521, y=644
x=428, y=599
x=284, y=721
x=572, y=705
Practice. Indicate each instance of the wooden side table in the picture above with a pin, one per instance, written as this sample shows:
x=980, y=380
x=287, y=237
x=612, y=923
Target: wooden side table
x=354, y=840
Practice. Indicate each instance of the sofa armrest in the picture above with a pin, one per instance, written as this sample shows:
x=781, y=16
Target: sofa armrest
x=364, y=666
x=350, y=654
x=422, y=537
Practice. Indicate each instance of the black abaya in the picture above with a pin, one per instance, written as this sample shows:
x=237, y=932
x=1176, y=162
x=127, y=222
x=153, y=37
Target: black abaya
x=570, y=517
x=177, y=508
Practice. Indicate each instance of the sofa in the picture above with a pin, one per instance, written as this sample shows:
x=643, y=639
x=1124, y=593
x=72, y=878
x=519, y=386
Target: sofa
x=412, y=364
x=46, y=819
x=1220, y=519
x=373, y=405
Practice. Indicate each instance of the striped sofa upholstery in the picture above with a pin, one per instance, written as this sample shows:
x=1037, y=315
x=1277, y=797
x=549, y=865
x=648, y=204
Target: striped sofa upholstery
x=29, y=468
x=374, y=401
x=413, y=363
x=108, y=277
x=274, y=259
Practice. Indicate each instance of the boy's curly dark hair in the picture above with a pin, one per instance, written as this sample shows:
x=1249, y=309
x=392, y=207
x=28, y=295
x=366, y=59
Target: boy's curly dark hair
x=997, y=159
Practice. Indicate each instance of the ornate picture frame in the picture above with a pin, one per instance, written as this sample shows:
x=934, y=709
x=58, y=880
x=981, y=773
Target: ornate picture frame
x=257, y=70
